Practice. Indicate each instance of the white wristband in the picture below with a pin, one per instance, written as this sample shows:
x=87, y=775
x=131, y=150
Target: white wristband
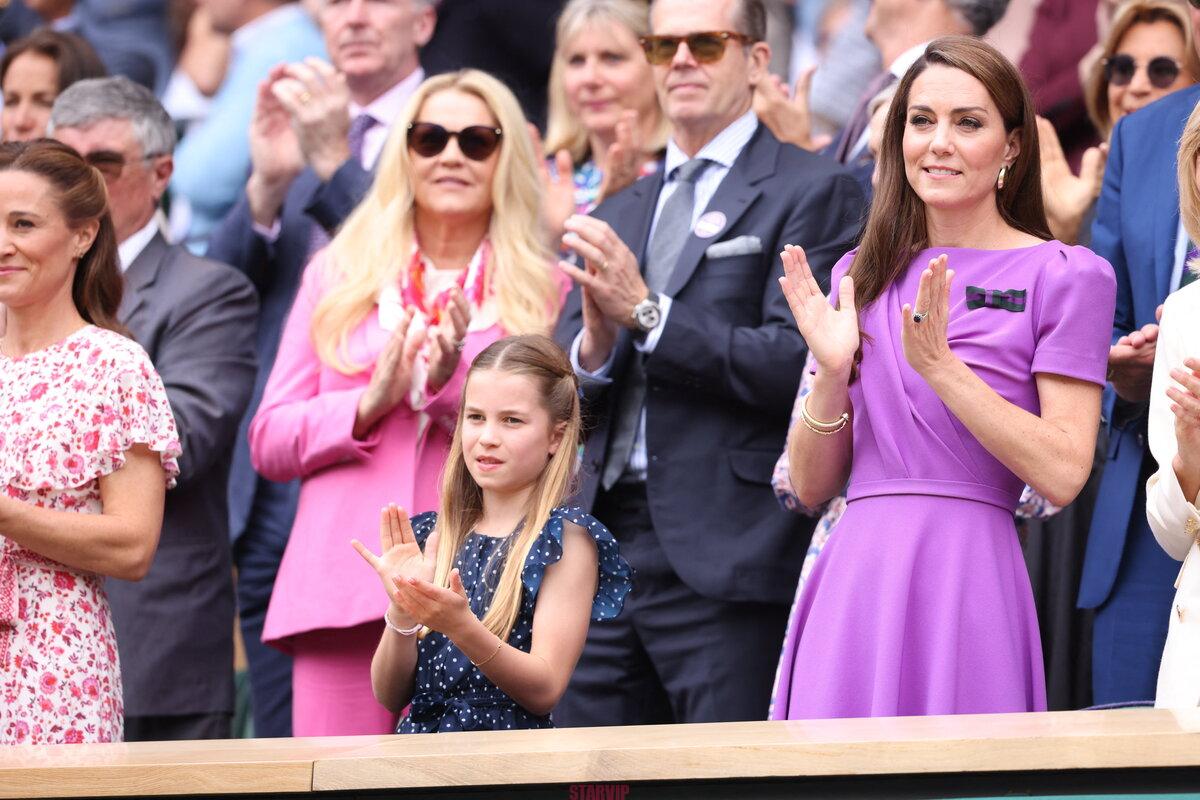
x=413, y=631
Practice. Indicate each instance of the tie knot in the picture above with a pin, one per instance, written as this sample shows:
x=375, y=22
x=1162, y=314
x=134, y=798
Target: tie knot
x=689, y=171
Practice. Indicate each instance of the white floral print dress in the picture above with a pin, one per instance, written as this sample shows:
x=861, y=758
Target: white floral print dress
x=68, y=413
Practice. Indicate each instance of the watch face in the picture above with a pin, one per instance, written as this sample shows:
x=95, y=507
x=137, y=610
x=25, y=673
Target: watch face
x=648, y=317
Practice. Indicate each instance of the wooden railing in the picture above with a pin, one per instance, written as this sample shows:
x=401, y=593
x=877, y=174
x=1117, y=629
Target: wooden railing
x=570, y=763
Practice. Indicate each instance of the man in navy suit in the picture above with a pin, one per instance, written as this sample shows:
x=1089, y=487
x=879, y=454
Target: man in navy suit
x=690, y=361
x=1127, y=577
x=316, y=134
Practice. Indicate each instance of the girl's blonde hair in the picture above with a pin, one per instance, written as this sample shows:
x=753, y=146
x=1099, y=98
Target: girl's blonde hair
x=543, y=362
x=1135, y=12
x=564, y=131
x=372, y=249
x=1189, y=192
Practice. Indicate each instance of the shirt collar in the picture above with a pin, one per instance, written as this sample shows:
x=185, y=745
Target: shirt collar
x=724, y=148
x=907, y=59
x=131, y=248
x=244, y=36
x=387, y=107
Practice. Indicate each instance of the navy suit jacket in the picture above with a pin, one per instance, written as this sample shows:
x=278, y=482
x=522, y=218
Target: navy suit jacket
x=275, y=269
x=195, y=318
x=723, y=376
x=1137, y=222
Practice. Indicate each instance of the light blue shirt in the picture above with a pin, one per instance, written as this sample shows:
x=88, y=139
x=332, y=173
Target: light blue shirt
x=722, y=150
x=212, y=162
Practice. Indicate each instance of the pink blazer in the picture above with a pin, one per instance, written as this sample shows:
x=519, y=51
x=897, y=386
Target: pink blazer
x=303, y=430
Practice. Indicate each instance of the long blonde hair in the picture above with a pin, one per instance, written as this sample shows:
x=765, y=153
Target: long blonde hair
x=544, y=362
x=1189, y=192
x=564, y=131
x=372, y=249
x=1131, y=13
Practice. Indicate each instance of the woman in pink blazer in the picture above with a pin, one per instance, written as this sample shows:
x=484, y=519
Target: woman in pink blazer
x=443, y=257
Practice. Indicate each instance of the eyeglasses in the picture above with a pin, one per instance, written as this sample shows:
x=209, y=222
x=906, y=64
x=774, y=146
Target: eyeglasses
x=477, y=142
x=707, y=47
x=1195, y=3
x=111, y=164
x=1161, y=70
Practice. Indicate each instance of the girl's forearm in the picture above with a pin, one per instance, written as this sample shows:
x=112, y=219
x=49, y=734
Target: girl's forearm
x=524, y=677
x=1036, y=450
x=393, y=669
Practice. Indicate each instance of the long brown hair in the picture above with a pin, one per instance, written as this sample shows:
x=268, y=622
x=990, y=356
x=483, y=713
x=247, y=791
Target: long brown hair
x=82, y=196
x=544, y=362
x=896, y=228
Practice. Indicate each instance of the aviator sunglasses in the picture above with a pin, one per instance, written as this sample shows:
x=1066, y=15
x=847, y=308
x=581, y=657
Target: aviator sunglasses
x=1120, y=69
x=476, y=142
x=707, y=47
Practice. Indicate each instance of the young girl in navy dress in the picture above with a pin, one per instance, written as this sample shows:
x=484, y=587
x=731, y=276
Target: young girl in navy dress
x=491, y=596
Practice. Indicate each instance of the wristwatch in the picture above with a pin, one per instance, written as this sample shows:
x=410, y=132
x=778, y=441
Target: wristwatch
x=647, y=314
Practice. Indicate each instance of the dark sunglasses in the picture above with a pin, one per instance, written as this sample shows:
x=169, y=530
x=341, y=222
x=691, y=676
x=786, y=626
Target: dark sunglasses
x=476, y=142
x=111, y=164
x=707, y=47
x=1195, y=3
x=1120, y=69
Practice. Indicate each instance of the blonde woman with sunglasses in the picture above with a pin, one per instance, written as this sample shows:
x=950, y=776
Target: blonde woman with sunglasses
x=443, y=257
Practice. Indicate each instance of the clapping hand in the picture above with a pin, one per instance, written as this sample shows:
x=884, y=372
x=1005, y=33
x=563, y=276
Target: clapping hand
x=558, y=188
x=831, y=333
x=623, y=162
x=1131, y=362
x=924, y=325
x=274, y=152
x=442, y=610
x=446, y=341
x=318, y=101
x=1067, y=196
x=1185, y=405
x=400, y=557
x=785, y=112
x=392, y=377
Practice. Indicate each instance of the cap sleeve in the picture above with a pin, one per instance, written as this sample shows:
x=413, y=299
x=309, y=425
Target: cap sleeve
x=132, y=409
x=423, y=525
x=616, y=576
x=1073, y=315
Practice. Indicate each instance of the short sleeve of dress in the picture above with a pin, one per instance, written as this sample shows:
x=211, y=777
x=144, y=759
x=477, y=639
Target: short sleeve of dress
x=1073, y=314
x=423, y=525
x=132, y=408
x=616, y=576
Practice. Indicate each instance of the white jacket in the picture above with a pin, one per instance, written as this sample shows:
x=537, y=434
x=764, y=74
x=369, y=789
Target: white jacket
x=1173, y=517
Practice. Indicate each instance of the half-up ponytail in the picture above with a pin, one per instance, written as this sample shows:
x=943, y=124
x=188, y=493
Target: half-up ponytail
x=82, y=197
x=540, y=359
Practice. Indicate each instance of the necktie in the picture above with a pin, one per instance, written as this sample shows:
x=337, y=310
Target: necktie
x=670, y=233
x=859, y=120
x=358, y=133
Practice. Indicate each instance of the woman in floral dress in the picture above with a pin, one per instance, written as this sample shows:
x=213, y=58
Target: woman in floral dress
x=87, y=449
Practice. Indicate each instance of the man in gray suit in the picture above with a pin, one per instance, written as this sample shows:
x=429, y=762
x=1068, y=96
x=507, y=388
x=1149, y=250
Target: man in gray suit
x=196, y=318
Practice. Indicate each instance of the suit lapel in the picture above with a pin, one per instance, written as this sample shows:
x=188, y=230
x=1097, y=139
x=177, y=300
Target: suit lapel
x=639, y=214
x=140, y=277
x=736, y=193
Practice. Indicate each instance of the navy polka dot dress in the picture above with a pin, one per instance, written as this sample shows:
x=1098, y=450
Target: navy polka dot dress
x=453, y=695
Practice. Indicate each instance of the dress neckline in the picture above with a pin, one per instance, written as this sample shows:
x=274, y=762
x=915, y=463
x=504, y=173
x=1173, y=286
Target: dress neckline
x=50, y=348
x=984, y=250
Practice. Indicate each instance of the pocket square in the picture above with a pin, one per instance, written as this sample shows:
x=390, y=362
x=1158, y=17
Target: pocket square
x=1006, y=299
x=741, y=246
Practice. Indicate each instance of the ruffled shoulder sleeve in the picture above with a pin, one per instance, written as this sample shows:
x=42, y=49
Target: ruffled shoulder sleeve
x=616, y=576
x=133, y=410
x=1073, y=314
x=423, y=525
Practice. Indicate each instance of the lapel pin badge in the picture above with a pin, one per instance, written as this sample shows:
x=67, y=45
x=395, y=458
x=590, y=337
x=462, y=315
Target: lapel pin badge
x=709, y=225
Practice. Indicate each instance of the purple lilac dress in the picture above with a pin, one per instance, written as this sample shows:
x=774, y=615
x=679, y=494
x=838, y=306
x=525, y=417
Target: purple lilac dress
x=921, y=603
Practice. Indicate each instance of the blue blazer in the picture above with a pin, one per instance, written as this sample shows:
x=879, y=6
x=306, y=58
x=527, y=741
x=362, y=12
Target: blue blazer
x=1135, y=231
x=723, y=376
x=275, y=269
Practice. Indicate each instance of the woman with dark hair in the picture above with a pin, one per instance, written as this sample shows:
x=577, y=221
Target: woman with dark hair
x=87, y=449
x=34, y=71
x=962, y=385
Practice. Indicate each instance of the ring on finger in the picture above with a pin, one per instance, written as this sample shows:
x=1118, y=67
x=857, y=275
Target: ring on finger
x=460, y=344
x=919, y=316
x=604, y=265
x=305, y=96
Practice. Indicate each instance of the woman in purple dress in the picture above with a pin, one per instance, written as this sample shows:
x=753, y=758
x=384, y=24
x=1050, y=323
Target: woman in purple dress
x=960, y=355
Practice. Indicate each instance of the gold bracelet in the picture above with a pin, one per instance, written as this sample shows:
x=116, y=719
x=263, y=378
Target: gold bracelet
x=489, y=658
x=822, y=428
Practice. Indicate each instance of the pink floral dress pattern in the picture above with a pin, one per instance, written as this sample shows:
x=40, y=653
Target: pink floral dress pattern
x=68, y=413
